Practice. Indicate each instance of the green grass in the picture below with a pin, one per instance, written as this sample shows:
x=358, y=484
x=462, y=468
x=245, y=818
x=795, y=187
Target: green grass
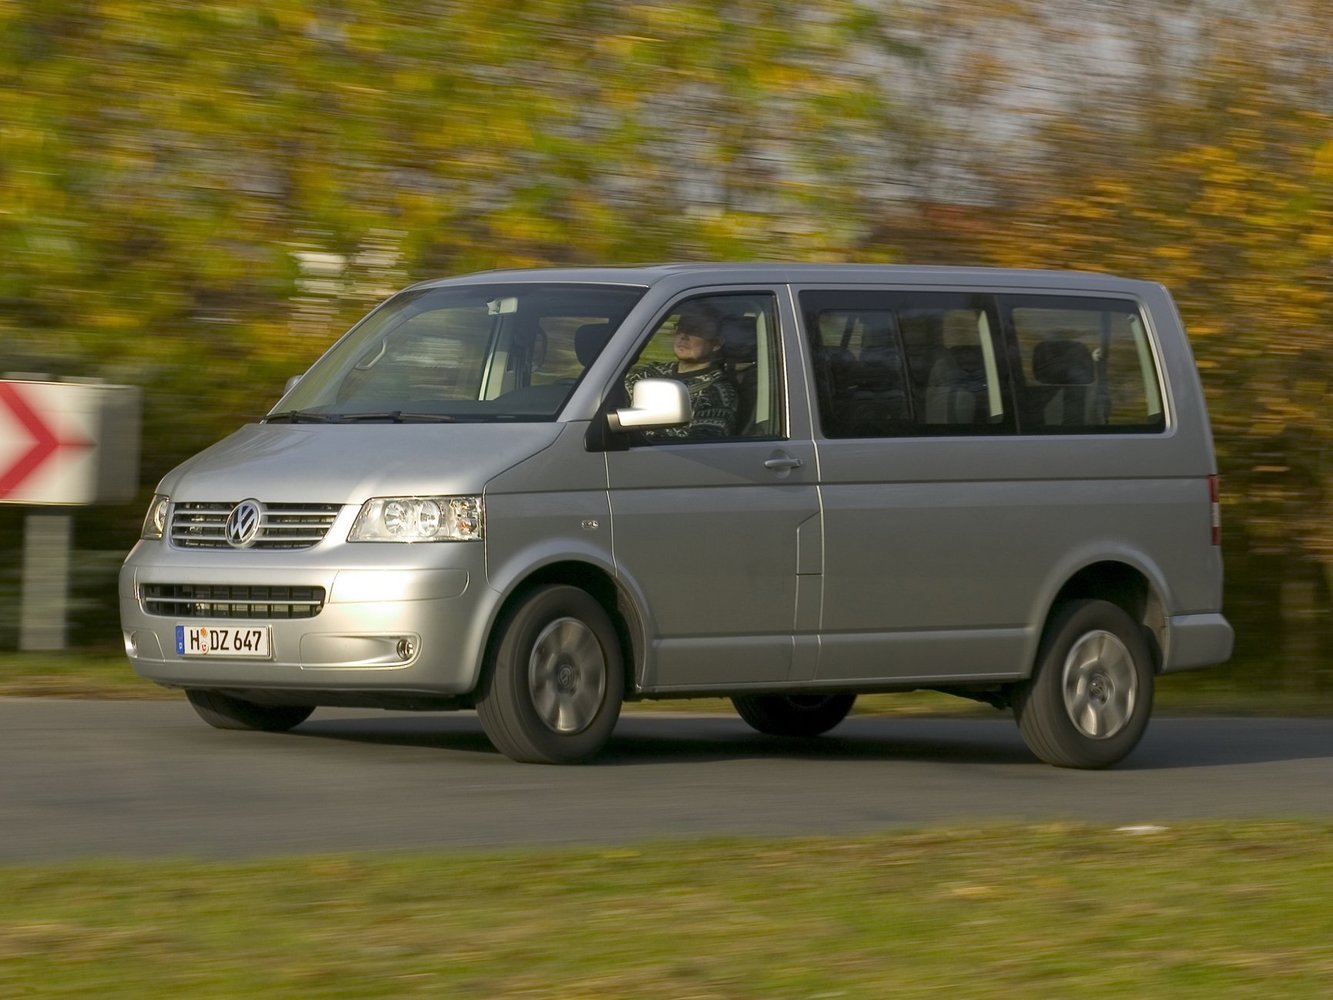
x=1060, y=911
x=73, y=674
x=83, y=674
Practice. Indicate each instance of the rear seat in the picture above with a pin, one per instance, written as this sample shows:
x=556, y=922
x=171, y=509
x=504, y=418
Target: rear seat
x=956, y=392
x=1066, y=371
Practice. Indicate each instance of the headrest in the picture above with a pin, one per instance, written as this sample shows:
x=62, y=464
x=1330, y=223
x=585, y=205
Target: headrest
x=1063, y=362
x=878, y=336
x=740, y=338
x=589, y=339
x=965, y=358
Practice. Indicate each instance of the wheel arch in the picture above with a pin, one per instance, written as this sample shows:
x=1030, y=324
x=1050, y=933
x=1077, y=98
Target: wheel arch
x=1128, y=587
x=593, y=580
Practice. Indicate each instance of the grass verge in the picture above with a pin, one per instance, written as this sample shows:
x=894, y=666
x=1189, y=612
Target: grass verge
x=73, y=674
x=1194, y=911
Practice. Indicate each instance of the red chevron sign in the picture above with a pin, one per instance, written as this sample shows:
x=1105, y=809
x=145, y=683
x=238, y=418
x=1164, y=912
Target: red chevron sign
x=39, y=438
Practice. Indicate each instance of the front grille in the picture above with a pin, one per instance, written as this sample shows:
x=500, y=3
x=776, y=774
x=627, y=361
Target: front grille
x=281, y=526
x=192, y=600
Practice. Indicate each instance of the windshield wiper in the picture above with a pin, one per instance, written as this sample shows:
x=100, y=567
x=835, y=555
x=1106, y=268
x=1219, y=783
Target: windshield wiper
x=393, y=417
x=299, y=417
x=387, y=416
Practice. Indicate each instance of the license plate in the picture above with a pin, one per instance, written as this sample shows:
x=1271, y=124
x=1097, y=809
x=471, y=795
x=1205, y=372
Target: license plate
x=250, y=641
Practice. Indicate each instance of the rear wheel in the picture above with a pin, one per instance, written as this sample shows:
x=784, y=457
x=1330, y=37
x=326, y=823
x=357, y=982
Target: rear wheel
x=555, y=683
x=222, y=711
x=1089, y=699
x=793, y=714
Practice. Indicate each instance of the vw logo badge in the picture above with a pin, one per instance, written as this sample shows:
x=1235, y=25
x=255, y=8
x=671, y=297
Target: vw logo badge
x=243, y=524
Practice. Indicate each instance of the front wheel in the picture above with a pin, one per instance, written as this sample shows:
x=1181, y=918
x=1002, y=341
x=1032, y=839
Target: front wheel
x=793, y=714
x=555, y=682
x=1090, y=696
x=222, y=711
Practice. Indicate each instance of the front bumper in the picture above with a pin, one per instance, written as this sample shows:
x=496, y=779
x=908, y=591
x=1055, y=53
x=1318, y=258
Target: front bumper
x=394, y=618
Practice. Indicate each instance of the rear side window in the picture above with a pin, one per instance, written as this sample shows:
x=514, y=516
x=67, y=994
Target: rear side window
x=1084, y=365
x=890, y=363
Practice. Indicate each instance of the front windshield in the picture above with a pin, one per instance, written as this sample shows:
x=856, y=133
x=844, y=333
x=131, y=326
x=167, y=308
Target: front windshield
x=475, y=352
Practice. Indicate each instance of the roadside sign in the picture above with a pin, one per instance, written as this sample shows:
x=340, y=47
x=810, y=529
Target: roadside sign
x=68, y=442
x=61, y=443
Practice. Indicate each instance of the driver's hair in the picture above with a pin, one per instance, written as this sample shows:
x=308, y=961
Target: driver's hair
x=699, y=319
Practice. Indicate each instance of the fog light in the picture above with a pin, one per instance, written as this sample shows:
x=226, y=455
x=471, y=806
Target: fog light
x=406, y=649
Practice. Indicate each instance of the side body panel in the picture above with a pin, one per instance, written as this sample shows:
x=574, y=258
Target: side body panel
x=943, y=555
x=945, y=568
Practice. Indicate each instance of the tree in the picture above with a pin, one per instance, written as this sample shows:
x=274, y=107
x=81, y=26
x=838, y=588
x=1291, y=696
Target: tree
x=1207, y=166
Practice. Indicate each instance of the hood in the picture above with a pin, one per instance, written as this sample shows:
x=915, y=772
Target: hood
x=348, y=463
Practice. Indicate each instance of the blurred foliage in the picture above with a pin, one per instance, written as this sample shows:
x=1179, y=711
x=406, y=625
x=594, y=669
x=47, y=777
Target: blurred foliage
x=1207, y=166
x=197, y=197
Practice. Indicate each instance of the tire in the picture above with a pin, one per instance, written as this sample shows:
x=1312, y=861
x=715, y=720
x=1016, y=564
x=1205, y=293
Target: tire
x=222, y=711
x=793, y=714
x=1090, y=696
x=554, y=685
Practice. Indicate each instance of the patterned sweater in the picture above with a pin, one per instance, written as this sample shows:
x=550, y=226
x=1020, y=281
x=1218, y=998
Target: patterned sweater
x=713, y=398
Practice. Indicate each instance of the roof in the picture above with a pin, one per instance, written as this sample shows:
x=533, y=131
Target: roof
x=795, y=273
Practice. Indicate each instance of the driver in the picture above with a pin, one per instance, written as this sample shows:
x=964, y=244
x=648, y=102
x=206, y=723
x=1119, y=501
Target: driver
x=713, y=396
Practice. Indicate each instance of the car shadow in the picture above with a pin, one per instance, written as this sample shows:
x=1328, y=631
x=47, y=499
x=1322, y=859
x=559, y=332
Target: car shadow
x=653, y=738
x=649, y=738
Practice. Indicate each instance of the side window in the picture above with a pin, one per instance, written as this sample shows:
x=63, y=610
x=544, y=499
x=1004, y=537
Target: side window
x=725, y=349
x=904, y=363
x=1085, y=366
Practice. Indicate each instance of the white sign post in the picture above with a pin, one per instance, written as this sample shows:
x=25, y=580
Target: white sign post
x=44, y=604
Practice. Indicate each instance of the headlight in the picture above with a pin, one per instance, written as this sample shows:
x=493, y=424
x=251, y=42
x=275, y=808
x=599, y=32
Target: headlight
x=419, y=519
x=155, y=521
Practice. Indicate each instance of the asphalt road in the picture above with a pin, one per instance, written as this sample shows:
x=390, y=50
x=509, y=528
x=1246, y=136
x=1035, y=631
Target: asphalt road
x=148, y=779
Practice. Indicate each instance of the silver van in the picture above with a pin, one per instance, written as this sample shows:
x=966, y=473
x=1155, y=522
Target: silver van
x=540, y=494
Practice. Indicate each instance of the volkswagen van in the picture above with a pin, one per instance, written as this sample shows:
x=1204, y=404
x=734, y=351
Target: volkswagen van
x=494, y=494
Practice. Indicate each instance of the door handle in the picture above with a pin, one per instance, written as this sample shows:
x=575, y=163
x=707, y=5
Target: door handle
x=783, y=463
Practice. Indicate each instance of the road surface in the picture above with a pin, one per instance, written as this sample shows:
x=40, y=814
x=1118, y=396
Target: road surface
x=149, y=779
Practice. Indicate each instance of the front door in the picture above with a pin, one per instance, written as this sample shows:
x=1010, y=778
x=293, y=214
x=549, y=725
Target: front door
x=714, y=524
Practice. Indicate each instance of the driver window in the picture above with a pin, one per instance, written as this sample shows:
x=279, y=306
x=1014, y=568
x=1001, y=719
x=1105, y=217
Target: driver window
x=724, y=349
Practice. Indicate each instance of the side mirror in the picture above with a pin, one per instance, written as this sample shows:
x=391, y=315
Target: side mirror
x=291, y=383
x=656, y=402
